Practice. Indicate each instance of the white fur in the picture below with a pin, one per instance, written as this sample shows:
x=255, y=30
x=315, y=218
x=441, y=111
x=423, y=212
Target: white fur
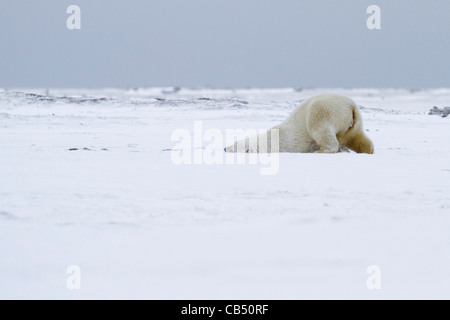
x=325, y=123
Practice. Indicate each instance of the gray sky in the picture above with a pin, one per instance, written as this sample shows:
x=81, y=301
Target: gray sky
x=225, y=43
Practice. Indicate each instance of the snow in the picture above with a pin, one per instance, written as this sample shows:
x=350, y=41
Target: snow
x=139, y=226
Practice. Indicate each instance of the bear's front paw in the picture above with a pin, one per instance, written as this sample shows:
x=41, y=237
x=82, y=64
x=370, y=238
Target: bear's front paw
x=325, y=151
x=343, y=149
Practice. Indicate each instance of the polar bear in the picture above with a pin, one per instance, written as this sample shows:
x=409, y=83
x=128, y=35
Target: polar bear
x=325, y=123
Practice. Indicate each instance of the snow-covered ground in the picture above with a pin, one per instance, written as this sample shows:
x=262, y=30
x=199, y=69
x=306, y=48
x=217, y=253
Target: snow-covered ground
x=87, y=179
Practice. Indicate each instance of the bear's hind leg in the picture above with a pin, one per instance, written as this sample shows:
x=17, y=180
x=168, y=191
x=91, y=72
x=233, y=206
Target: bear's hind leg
x=326, y=140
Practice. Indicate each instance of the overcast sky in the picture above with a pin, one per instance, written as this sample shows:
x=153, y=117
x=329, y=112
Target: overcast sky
x=225, y=43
